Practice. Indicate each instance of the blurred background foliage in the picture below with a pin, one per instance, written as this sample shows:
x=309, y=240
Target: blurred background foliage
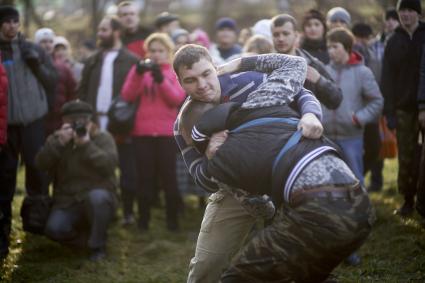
x=77, y=20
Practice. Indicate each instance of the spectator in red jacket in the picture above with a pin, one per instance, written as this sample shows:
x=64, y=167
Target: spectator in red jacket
x=3, y=106
x=134, y=35
x=155, y=85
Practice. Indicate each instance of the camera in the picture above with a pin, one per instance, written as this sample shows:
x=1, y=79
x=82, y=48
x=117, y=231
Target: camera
x=145, y=65
x=80, y=128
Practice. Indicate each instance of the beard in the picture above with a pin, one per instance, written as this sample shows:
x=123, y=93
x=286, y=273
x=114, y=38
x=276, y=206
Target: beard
x=106, y=43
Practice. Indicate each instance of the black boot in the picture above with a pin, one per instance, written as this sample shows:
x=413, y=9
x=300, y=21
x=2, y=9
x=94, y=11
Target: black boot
x=408, y=207
x=97, y=254
x=4, y=237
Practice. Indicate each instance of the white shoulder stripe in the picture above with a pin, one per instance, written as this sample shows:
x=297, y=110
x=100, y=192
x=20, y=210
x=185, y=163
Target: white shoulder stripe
x=242, y=90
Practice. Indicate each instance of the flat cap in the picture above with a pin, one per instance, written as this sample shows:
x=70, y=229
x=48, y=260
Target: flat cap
x=165, y=18
x=76, y=108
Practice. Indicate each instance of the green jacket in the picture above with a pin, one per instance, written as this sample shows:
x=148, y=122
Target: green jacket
x=79, y=169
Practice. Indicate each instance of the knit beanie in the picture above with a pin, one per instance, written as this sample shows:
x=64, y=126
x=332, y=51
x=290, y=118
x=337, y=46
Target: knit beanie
x=177, y=33
x=225, y=23
x=314, y=14
x=263, y=27
x=410, y=4
x=339, y=14
x=7, y=13
x=43, y=33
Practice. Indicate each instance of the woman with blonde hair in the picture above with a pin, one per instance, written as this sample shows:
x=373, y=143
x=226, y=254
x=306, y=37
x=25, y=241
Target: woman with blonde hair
x=257, y=44
x=153, y=83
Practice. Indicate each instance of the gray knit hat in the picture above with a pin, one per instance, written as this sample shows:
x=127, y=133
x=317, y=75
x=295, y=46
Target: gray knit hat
x=338, y=14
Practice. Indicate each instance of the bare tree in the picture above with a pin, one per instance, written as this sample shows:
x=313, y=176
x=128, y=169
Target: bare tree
x=211, y=12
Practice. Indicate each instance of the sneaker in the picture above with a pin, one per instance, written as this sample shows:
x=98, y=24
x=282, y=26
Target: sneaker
x=128, y=220
x=407, y=209
x=353, y=260
x=97, y=254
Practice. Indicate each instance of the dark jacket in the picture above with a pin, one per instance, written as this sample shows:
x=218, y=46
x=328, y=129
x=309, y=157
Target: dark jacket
x=65, y=91
x=32, y=80
x=3, y=106
x=326, y=90
x=317, y=49
x=421, y=90
x=400, y=70
x=135, y=41
x=90, y=78
x=78, y=169
x=247, y=159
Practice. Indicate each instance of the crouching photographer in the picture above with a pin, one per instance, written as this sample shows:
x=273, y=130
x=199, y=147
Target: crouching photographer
x=81, y=160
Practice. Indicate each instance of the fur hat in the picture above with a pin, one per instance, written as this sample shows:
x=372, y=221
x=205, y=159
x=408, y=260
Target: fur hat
x=410, y=4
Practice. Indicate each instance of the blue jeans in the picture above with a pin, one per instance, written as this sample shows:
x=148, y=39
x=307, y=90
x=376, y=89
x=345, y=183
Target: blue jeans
x=353, y=151
x=84, y=223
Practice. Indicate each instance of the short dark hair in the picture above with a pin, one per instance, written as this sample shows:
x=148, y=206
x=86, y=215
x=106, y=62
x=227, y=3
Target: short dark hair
x=188, y=55
x=258, y=43
x=362, y=30
x=343, y=36
x=280, y=20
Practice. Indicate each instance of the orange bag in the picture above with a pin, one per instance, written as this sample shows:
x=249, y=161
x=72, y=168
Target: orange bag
x=388, y=140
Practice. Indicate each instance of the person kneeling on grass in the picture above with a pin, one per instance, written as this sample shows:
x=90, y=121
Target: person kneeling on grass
x=81, y=161
x=323, y=214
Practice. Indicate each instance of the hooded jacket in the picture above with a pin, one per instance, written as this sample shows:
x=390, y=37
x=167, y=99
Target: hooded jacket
x=362, y=100
x=400, y=70
x=158, y=103
x=31, y=86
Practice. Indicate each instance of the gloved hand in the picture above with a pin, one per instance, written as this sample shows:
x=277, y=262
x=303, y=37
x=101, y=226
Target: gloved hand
x=311, y=126
x=157, y=75
x=391, y=122
x=143, y=66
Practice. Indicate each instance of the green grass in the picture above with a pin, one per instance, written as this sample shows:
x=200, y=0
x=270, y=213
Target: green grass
x=395, y=251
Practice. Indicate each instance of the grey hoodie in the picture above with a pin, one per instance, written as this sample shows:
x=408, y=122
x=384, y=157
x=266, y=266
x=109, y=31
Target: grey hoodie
x=361, y=98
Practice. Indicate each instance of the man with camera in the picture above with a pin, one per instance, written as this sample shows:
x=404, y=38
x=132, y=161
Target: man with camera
x=82, y=161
